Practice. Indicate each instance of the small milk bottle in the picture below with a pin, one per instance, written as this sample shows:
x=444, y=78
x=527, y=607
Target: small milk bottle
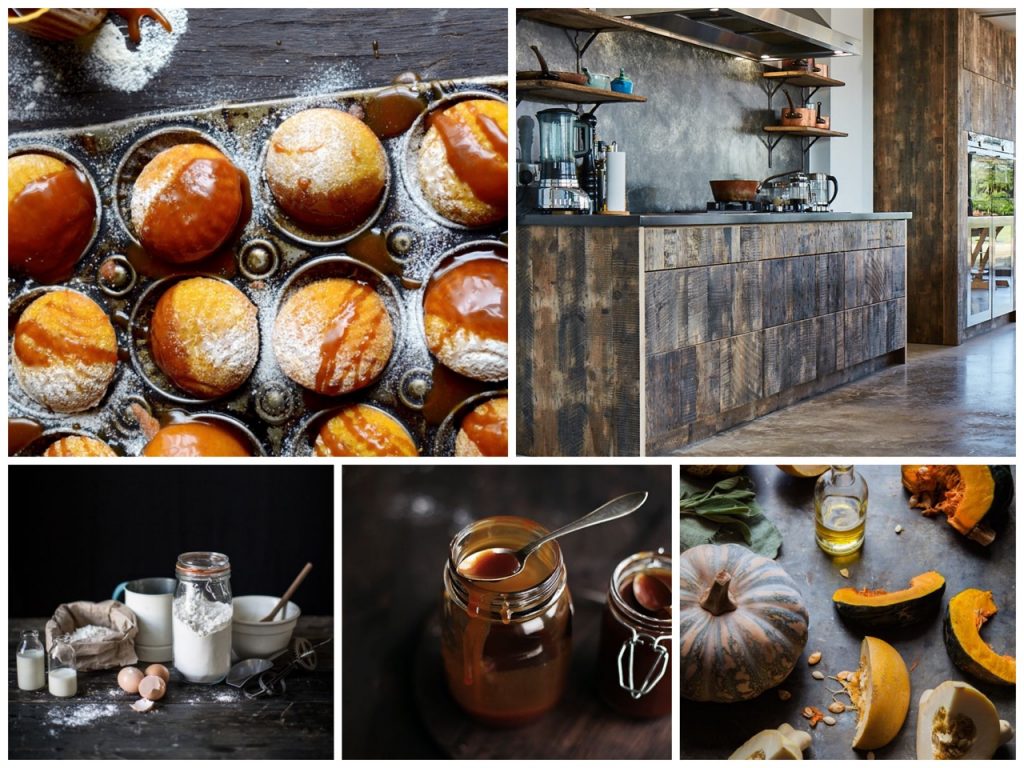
x=63, y=676
x=31, y=661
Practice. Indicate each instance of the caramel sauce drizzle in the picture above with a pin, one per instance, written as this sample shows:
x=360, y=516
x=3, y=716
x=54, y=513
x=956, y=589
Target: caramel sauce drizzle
x=355, y=422
x=484, y=169
x=133, y=16
x=50, y=223
x=487, y=430
x=56, y=345
x=336, y=333
x=21, y=432
x=472, y=293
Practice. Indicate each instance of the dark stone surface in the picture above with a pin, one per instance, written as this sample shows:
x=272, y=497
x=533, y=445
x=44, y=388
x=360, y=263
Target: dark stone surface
x=888, y=561
x=701, y=121
x=686, y=219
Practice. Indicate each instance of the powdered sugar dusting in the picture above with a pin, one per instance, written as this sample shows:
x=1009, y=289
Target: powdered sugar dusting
x=66, y=387
x=470, y=353
x=111, y=59
x=77, y=716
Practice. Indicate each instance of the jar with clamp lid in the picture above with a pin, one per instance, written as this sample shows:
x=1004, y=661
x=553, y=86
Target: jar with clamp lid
x=634, y=660
x=202, y=617
x=506, y=645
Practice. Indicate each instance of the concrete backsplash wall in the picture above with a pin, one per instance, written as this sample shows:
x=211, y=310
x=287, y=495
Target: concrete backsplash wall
x=702, y=118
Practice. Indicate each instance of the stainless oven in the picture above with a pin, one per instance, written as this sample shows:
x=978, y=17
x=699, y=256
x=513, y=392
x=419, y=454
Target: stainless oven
x=990, y=226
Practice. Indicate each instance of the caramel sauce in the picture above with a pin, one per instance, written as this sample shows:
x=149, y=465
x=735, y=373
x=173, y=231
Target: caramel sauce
x=21, y=432
x=65, y=345
x=222, y=263
x=471, y=293
x=135, y=15
x=391, y=111
x=447, y=390
x=490, y=564
x=354, y=420
x=487, y=430
x=371, y=248
x=195, y=438
x=49, y=224
x=335, y=335
x=198, y=211
x=484, y=169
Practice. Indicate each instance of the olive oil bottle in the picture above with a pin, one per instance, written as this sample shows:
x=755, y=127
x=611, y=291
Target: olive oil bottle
x=840, y=510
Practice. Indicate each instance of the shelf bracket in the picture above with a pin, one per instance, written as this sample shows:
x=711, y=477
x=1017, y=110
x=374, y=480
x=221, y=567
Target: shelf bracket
x=770, y=145
x=574, y=40
x=808, y=142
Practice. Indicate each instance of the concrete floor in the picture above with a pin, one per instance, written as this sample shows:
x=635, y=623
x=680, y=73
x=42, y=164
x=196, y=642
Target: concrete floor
x=946, y=401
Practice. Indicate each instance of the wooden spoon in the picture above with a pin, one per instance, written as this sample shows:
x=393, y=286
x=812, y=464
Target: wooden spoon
x=288, y=595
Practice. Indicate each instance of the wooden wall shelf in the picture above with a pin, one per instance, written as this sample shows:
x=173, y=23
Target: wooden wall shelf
x=803, y=79
x=569, y=93
x=799, y=130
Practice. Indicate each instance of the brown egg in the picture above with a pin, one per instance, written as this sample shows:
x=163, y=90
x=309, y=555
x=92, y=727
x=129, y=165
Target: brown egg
x=362, y=430
x=195, y=438
x=51, y=214
x=465, y=316
x=159, y=670
x=79, y=445
x=129, y=679
x=65, y=351
x=152, y=688
x=333, y=336
x=205, y=336
x=326, y=169
x=188, y=202
x=463, y=162
x=484, y=430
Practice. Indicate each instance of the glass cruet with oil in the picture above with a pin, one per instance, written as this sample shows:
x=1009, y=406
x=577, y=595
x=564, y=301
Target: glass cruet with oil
x=840, y=510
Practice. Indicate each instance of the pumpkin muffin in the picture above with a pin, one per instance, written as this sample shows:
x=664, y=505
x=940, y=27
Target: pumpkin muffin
x=333, y=336
x=465, y=316
x=189, y=202
x=65, y=351
x=362, y=430
x=326, y=169
x=205, y=336
x=79, y=446
x=484, y=430
x=51, y=215
x=463, y=162
x=195, y=438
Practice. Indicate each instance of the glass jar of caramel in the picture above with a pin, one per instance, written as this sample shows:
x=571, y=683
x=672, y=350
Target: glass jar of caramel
x=634, y=662
x=506, y=644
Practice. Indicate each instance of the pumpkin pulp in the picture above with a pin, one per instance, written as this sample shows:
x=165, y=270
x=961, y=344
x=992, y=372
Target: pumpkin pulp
x=966, y=615
x=880, y=690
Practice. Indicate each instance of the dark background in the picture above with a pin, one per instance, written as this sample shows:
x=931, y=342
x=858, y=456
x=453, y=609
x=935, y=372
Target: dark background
x=78, y=531
x=247, y=54
x=396, y=526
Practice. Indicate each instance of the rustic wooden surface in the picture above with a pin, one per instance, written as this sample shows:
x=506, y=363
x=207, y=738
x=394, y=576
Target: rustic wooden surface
x=248, y=54
x=946, y=72
x=190, y=722
x=743, y=320
x=710, y=731
x=397, y=523
x=578, y=341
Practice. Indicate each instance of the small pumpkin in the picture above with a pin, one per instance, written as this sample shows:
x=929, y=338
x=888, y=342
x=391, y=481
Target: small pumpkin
x=880, y=691
x=742, y=622
x=956, y=721
x=878, y=609
x=966, y=613
x=974, y=498
x=804, y=470
x=782, y=743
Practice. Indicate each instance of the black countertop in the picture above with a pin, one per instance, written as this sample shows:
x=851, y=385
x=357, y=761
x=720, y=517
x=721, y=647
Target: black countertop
x=698, y=218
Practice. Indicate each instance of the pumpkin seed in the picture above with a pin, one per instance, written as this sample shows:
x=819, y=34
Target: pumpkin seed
x=829, y=720
x=814, y=658
x=844, y=676
x=899, y=529
x=837, y=706
x=818, y=675
x=808, y=713
x=785, y=695
x=844, y=572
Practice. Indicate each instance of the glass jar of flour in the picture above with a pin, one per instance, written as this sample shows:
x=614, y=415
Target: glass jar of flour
x=202, y=617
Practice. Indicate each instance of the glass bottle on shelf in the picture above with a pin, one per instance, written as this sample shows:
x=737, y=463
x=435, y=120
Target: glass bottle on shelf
x=840, y=510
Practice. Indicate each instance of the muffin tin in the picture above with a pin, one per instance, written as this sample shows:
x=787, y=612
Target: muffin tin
x=396, y=250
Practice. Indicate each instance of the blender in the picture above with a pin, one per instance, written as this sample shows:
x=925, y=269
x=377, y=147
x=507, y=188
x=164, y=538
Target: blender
x=558, y=189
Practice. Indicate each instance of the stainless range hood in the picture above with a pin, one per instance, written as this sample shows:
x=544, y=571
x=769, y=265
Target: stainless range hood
x=761, y=34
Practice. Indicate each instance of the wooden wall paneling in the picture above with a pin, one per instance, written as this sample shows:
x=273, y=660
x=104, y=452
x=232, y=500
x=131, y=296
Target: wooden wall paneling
x=830, y=283
x=667, y=324
x=801, y=287
x=742, y=372
x=719, y=301
x=855, y=336
x=674, y=377
x=773, y=273
x=800, y=342
x=774, y=360
x=747, y=306
x=829, y=334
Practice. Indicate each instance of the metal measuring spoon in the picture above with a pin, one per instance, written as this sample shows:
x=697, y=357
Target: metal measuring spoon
x=497, y=563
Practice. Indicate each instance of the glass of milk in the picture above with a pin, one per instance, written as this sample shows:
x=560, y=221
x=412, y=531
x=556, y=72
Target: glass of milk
x=63, y=676
x=31, y=660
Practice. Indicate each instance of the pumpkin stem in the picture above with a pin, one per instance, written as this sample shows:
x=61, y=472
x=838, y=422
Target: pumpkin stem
x=715, y=599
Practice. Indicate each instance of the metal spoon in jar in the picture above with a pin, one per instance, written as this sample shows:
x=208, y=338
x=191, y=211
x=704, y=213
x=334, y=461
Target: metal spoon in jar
x=497, y=563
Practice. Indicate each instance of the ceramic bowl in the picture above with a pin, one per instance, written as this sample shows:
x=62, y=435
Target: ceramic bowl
x=253, y=639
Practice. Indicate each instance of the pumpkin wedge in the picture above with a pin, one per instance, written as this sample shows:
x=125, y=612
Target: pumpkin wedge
x=880, y=690
x=878, y=609
x=966, y=613
x=782, y=743
x=958, y=722
x=973, y=497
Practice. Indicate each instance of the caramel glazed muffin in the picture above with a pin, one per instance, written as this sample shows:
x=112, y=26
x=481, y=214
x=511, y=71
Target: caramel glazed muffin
x=205, y=336
x=362, y=430
x=484, y=430
x=326, y=169
x=65, y=351
x=78, y=446
x=333, y=336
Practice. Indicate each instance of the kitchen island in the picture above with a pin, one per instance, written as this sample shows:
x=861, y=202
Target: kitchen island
x=640, y=334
